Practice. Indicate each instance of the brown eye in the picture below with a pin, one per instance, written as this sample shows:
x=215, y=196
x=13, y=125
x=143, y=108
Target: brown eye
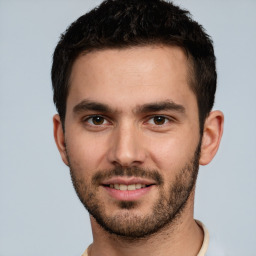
x=159, y=120
x=96, y=120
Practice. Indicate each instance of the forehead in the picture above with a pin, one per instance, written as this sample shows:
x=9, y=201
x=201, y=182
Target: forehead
x=132, y=75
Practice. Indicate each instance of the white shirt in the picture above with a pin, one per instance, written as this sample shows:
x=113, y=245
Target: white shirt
x=209, y=247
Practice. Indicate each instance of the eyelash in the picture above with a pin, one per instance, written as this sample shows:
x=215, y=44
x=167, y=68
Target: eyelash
x=166, y=120
x=93, y=116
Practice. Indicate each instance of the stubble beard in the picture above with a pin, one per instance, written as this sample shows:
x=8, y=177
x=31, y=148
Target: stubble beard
x=165, y=210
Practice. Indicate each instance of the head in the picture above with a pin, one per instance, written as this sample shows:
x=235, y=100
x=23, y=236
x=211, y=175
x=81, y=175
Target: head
x=119, y=24
x=134, y=84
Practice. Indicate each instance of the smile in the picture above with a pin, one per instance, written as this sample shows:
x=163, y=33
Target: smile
x=130, y=187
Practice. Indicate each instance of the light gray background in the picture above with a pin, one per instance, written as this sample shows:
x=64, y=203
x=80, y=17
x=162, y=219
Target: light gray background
x=39, y=211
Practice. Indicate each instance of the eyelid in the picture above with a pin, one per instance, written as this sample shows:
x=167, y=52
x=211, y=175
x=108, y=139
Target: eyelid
x=85, y=119
x=168, y=119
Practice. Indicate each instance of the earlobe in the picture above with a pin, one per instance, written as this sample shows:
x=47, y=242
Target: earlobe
x=59, y=138
x=213, y=130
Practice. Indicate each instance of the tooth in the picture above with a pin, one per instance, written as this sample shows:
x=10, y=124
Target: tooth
x=127, y=187
x=123, y=187
x=131, y=187
x=137, y=186
x=116, y=186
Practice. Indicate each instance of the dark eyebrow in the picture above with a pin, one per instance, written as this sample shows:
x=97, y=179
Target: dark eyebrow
x=160, y=106
x=86, y=105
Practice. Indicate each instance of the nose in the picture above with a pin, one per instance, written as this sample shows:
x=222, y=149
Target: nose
x=126, y=147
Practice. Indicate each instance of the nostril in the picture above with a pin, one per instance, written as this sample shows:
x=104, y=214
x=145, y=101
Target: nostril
x=126, y=152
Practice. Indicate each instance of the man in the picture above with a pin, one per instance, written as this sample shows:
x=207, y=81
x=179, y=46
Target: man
x=134, y=84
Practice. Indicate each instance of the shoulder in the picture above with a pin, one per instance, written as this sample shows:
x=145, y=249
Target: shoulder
x=211, y=246
x=215, y=247
x=85, y=253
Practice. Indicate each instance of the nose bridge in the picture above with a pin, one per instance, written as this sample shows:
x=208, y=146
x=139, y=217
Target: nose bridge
x=126, y=147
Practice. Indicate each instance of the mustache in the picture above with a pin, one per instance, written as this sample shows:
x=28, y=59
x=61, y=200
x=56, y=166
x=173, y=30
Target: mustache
x=101, y=175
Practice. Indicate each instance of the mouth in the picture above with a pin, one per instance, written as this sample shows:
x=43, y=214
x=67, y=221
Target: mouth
x=128, y=188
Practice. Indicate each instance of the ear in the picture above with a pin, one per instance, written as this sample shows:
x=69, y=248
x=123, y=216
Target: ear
x=59, y=138
x=213, y=129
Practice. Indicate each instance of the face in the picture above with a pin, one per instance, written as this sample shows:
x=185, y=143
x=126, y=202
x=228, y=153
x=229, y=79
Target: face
x=132, y=137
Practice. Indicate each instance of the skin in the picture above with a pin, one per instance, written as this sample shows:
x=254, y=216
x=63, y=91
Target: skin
x=130, y=79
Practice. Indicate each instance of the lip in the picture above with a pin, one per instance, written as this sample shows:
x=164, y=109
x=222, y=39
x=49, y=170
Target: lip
x=128, y=195
x=128, y=181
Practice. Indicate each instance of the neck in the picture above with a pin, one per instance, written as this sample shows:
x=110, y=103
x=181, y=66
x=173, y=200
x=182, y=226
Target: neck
x=182, y=237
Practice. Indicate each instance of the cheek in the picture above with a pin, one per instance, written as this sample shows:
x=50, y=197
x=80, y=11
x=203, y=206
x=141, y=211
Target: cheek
x=171, y=153
x=85, y=152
